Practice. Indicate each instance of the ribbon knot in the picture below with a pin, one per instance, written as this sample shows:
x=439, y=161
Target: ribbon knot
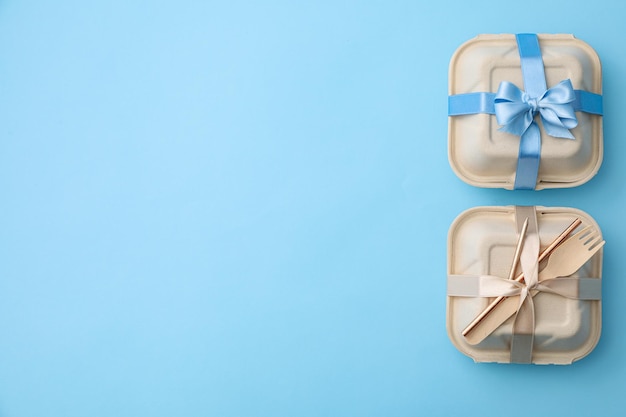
x=515, y=109
x=532, y=102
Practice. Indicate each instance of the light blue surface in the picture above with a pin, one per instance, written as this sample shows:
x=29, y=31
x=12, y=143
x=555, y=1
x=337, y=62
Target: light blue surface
x=233, y=209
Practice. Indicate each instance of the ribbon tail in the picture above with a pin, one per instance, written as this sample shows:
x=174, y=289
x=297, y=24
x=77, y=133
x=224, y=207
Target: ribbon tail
x=528, y=159
x=523, y=332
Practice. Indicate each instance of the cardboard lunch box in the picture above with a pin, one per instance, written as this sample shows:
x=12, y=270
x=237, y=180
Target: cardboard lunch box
x=482, y=242
x=483, y=153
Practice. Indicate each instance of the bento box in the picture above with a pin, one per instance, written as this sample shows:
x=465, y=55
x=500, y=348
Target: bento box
x=525, y=111
x=544, y=265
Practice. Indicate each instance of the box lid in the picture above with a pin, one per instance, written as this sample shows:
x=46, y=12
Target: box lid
x=484, y=156
x=482, y=240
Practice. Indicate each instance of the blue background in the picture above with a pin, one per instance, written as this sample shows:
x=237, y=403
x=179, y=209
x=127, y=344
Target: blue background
x=241, y=209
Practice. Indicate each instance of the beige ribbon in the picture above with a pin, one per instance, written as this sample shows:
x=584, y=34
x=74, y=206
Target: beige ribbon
x=478, y=286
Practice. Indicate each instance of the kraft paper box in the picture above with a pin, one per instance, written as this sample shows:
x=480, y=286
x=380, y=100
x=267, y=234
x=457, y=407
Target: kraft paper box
x=481, y=242
x=525, y=111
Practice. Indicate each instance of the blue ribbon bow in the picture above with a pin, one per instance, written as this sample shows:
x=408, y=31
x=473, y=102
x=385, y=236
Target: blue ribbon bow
x=515, y=110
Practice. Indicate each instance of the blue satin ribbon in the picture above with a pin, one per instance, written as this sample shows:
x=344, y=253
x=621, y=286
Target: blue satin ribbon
x=475, y=103
x=515, y=109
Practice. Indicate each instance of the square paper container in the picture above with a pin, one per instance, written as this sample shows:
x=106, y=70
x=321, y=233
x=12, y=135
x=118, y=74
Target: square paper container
x=482, y=241
x=485, y=157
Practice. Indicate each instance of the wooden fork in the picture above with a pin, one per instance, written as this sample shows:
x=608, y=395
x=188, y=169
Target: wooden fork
x=566, y=259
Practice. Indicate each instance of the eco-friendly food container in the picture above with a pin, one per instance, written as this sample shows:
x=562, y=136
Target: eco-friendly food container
x=483, y=155
x=482, y=241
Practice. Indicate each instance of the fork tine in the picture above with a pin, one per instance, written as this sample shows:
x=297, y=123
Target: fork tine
x=593, y=241
x=591, y=234
x=594, y=248
x=584, y=232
